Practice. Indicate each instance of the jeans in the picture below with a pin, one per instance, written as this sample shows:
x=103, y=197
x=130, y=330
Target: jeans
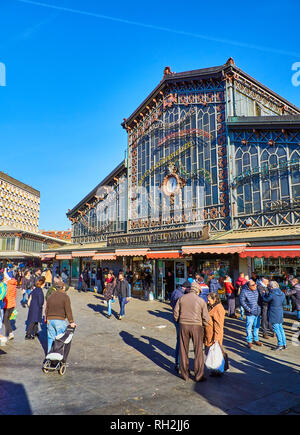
x=25, y=296
x=252, y=322
x=55, y=327
x=298, y=315
x=279, y=331
x=242, y=312
x=109, y=307
x=129, y=285
x=122, y=305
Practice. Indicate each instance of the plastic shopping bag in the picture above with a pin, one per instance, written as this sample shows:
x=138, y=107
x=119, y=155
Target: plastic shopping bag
x=13, y=315
x=215, y=359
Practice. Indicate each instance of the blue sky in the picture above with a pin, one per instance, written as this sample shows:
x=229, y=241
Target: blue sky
x=75, y=69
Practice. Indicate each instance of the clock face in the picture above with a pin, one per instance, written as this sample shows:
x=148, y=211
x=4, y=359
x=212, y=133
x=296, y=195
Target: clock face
x=171, y=185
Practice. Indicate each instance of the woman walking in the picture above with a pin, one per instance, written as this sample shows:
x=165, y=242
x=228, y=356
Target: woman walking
x=9, y=305
x=276, y=299
x=35, y=309
x=26, y=285
x=230, y=292
x=110, y=284
x=214, y=330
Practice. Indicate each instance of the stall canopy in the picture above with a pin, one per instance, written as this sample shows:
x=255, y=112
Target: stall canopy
x=215, y=249
x=63, y=256
x=271, y=251
x=163, y=254
x=131, y=252
x=104, y=256
x=83, y=254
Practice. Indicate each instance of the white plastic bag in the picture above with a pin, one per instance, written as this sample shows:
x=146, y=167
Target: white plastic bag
x=215, y=359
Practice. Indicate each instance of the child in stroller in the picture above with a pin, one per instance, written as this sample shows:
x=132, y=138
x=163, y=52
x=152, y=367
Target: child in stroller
x=57, y=357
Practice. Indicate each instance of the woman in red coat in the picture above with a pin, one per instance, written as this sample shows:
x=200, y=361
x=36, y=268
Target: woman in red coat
x=9, y=306
x=229, y=289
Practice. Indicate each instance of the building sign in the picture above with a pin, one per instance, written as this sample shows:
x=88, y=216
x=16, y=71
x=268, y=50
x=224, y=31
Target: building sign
x=157, y=237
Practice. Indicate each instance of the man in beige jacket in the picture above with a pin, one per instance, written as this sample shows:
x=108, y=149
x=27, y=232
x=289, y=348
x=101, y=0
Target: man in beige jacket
x=192, y=314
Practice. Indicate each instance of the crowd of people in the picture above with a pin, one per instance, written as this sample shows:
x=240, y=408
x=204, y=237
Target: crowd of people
x=198, y=310
x=43, y=294
x=199, y=315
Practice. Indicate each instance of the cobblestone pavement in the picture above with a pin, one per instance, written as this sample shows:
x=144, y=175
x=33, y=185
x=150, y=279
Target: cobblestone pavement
x=126, y=367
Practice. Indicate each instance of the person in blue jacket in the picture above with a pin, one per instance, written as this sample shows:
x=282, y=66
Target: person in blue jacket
x=249, y=301
x=35, y=309
x=276, y=299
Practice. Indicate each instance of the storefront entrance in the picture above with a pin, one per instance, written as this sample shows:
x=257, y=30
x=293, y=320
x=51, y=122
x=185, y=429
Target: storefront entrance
x=169, y=275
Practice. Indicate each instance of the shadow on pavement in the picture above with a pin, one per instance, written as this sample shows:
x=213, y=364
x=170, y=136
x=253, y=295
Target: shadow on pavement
x=13, y=399
x=150, y=350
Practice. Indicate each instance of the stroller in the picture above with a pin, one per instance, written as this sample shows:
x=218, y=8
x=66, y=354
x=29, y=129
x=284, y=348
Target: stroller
x=57, y=357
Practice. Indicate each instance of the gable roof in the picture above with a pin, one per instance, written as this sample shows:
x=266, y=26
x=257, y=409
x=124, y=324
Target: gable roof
x=204, y=73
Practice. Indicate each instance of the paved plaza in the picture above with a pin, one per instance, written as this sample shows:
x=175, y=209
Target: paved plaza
x=126, y=367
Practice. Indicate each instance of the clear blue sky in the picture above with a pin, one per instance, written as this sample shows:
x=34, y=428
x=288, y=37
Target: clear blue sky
x=76, y=69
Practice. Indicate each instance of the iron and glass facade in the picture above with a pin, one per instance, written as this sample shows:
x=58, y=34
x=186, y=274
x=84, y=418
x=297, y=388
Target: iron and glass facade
x=211, y=153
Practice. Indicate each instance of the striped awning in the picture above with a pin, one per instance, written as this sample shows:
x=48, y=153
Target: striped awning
x=83, y=254
x=104, y=256
x=48, y=256
x=131, y=252
x=152, y=255
x=64, y=257
x=271, y=251
x=228, y=248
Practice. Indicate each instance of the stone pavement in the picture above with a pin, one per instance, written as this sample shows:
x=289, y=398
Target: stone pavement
x=126, y=368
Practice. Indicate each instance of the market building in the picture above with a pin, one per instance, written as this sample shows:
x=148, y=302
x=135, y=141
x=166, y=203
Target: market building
x=211, y=183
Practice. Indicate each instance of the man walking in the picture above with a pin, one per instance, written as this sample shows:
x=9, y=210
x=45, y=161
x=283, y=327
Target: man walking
x=262, y=287
x=249, y=301
x=177, y=294
x=192, y=314
x=122, y=291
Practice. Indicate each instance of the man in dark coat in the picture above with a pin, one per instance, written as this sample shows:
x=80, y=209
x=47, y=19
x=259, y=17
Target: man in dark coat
x=122, y=291
x=35, y=309
x=295, y=293
x=262, y=287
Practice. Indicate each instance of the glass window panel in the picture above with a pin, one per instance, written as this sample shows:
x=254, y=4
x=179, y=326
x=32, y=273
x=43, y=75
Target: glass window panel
x=246, y=159
x=256, y=202
x=296, y=191
x=284, y=185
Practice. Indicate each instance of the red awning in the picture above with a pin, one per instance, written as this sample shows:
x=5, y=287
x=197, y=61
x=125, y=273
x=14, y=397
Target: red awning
x=163, y=254
x=215, y=249
x=104, y=256
x=131, y=252
x=271, y=251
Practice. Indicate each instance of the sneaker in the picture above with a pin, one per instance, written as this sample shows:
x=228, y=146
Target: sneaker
x=11, y=336
x=120, y=317
x=279, y=348
x=27, y=337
